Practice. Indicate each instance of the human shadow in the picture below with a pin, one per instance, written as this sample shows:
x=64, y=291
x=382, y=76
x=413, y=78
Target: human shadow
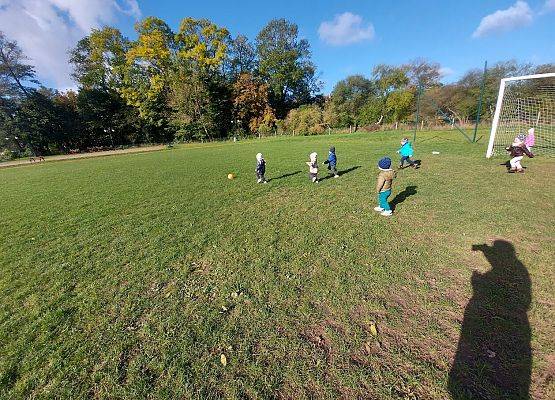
x=340, y=173
x=402, y=196
x=284, y=176
x=494, y=357
x=507, y=164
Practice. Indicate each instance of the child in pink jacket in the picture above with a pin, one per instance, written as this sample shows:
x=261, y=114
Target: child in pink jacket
x=530, y=139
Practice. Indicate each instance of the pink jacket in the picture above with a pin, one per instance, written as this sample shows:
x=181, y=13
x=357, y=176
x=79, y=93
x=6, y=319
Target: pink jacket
x=530, y=138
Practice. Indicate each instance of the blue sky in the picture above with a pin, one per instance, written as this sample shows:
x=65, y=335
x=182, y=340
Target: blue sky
x=346, y=37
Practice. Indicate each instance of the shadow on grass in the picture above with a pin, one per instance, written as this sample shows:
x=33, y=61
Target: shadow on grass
x=494, y=357
x=402, y=196
x=284, y=176
x=340, y=173
x=507, y=164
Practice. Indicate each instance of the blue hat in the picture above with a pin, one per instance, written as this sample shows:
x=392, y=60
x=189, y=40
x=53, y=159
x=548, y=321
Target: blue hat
x=384, y=163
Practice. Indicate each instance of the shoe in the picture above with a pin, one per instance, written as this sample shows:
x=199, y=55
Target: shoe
x=258, y=181
x=511, y=171
x=378, y=209
x=520, y=171
x=265, y=182
x=386, y=213
x=336, y=176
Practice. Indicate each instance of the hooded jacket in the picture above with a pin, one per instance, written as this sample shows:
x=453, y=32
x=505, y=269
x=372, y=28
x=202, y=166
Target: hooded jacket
x=332, y=159
x=406, y=150
x=260, y=164
x=385, y=180
x=313, y=164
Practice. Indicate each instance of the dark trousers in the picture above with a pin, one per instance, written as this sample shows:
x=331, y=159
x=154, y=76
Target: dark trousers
x=332, y=168
x=407, y=159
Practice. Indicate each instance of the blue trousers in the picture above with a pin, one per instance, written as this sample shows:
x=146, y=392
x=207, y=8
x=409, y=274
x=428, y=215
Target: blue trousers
x=382, y=198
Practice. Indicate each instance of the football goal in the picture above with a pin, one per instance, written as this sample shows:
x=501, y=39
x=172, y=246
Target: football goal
x=524, y=102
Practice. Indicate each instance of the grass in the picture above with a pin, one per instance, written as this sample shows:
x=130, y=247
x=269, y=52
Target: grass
x=130, y=276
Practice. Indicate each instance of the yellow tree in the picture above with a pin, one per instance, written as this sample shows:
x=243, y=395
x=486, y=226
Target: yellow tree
x=199, y=96
x=202, y=44
x=148, y=70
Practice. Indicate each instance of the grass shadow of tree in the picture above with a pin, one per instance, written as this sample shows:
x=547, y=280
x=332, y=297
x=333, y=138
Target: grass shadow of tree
x=494, y=357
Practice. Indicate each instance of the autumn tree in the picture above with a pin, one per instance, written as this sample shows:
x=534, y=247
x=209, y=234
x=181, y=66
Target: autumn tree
x=251, y=107
x=148, y=71
x=200, y=98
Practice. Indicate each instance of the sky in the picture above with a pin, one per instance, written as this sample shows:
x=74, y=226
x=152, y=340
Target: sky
x=346, y=36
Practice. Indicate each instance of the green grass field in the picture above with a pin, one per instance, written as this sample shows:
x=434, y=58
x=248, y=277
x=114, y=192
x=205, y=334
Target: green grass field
x=129, y=276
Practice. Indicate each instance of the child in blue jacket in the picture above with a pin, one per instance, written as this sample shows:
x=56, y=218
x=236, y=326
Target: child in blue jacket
x=332, y=162
x=406, y=153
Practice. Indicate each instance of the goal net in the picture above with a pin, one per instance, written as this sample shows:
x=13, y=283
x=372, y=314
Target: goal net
x=525, y=102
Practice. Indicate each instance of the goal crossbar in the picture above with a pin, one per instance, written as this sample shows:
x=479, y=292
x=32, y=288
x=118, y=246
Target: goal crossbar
x=499, y=104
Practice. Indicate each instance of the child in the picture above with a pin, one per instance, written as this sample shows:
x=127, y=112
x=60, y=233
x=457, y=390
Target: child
x=406, y=152
x=383, y=187
x=260, y=168
x=530, y=139
x=332, y=162
x=517, y=150
x=313, y=167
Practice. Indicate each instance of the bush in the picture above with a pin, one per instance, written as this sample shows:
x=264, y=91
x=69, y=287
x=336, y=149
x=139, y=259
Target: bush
x=305, y=120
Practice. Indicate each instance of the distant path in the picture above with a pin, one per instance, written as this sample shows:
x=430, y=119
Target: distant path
x=25, y=161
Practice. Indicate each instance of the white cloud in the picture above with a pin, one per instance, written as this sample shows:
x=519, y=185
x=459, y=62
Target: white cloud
x=47, y=29
x=346, y=28
x=513, y=17
x=549, y=5
x=446, y=71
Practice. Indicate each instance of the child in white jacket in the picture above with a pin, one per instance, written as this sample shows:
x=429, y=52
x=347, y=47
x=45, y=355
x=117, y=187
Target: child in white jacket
x=313, y=167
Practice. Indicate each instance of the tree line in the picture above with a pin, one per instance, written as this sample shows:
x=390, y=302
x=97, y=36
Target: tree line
x=200, y=83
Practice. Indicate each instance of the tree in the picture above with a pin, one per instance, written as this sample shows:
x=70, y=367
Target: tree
x=38, y=121
x=349, y=96
x=241, y=57
x=199, y=96
x=305, y=120
x=388, y=79
x=285, y=65
x=422, y=73
x=399, y=104
x=15, y=74
x=148, y=70
x=200, y=106
x=99, y=59
x=251, y=106
x=201, y=44
x=107, y=121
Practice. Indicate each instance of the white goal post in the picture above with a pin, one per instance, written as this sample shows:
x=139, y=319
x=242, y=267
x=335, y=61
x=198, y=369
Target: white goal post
x=524, y=102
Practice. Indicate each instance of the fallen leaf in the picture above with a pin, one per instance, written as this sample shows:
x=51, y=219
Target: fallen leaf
x=373, y=329
x=223, y=360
